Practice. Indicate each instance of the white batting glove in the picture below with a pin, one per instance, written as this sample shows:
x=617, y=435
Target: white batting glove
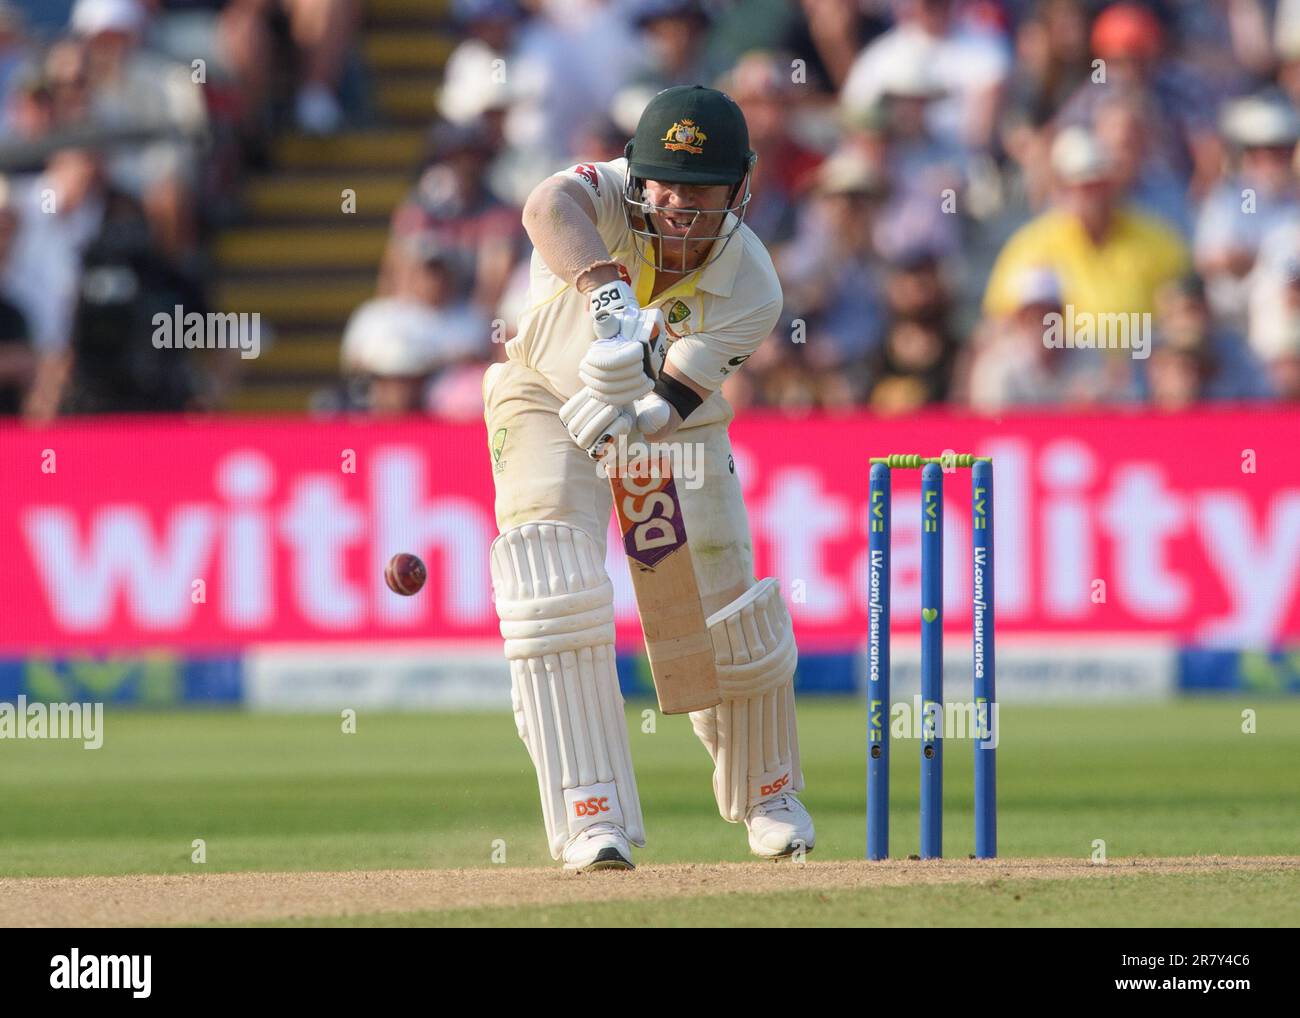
x=623, y=368
x=615, y=370
x=614, y=311
x=592, y=423
x=606, y=299
x=630, y=346
x=652, y=414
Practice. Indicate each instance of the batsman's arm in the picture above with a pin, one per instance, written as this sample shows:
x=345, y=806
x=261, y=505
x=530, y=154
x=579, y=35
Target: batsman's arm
x=560, y=219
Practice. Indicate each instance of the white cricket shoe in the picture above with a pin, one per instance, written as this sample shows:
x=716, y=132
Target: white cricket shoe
x=780, y=827
x=598, y=847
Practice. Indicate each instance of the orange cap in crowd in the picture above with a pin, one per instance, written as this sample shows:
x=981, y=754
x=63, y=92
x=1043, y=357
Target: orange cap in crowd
x=1127, y=30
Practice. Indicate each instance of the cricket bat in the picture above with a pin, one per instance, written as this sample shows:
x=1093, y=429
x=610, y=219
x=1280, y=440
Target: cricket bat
x=667, y=595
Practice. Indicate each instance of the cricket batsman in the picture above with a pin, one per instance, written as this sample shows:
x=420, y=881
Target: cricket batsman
x=646, y=291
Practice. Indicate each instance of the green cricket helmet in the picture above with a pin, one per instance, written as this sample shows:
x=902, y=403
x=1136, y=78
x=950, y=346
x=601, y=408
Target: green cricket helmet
x=688, y=134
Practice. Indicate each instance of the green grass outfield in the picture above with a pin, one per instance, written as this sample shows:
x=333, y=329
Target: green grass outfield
x=268, y=792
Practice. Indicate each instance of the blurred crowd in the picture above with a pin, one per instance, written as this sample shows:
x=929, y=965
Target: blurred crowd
x=938, y=181
x=125, y=129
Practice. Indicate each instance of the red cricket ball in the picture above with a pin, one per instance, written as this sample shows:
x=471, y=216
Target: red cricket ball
x=405, y=574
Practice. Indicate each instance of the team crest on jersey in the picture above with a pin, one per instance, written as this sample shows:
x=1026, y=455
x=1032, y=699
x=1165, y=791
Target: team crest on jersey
x=684, y=136
x=498, y=444
x=588, y=173
x=678, y=312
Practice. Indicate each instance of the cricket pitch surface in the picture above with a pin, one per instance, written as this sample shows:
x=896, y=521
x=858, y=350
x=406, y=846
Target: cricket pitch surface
x=997, y=892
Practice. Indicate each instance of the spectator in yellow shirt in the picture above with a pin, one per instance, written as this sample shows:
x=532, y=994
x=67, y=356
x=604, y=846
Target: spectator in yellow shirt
x=1109, y=258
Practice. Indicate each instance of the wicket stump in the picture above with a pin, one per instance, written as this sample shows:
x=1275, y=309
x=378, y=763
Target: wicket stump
x=982, y=634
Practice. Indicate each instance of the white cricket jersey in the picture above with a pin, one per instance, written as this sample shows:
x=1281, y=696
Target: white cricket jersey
x=716, y=316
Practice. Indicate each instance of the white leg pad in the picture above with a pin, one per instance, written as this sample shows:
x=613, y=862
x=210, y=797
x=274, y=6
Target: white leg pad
x=751, y=735
x=556, y=606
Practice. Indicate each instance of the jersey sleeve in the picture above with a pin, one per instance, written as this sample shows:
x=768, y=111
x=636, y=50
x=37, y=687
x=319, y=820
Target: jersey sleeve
x=707, y=358
x=603, y=183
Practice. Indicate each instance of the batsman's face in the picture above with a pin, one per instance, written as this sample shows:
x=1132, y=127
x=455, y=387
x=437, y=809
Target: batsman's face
x=680, y=214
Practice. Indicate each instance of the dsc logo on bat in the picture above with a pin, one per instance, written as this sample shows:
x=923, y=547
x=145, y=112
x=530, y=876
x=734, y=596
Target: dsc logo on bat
x=653, y=518
x=649, y=515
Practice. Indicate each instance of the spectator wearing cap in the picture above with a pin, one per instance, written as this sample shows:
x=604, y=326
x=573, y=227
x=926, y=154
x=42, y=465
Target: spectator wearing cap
x=1182, y=142
x=475, y=83
x=831, y=271
x=132, y=88
x=922, y=167
x=1262, y=131
x=452, y=199
x=786, y=168
x=1109, y=257
x=1194, y=359
x=1012, y=367
x=394, y=347
x=970, y=63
